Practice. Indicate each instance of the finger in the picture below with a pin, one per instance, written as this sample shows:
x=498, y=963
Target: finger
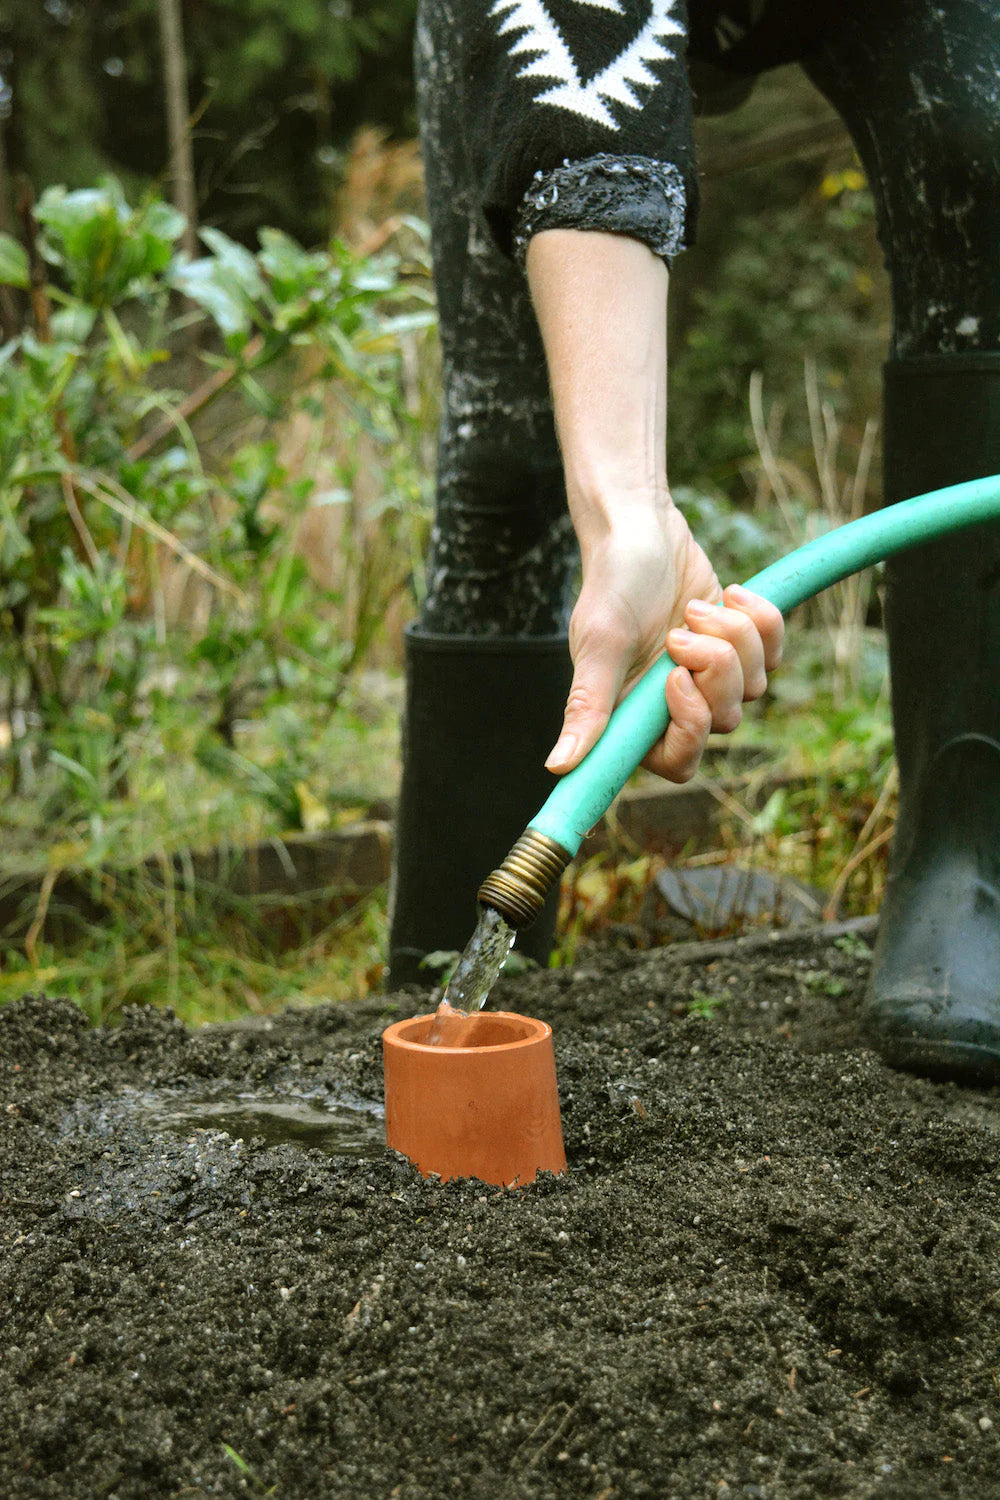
x=737, y=628
x=718, y=674
x=597, y=680
x=766, y=616
x=677, y=755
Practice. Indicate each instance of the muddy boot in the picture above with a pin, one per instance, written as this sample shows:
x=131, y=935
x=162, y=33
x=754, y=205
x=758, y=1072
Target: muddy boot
x=933, y=1003
x=482, y=713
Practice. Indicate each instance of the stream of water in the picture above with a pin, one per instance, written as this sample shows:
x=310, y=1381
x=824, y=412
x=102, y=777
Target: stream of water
x=475, y=975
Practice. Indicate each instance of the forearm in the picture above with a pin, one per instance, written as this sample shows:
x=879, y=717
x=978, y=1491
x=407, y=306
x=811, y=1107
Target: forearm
x=601, y=303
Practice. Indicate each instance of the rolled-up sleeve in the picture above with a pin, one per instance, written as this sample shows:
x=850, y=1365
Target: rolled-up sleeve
x=578, y=115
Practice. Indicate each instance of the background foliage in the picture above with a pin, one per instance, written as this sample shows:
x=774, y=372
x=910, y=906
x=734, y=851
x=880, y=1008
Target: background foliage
x=277, y=88
x=120, y=489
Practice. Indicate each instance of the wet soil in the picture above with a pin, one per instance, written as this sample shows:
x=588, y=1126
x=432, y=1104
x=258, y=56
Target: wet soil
x=772, y=1271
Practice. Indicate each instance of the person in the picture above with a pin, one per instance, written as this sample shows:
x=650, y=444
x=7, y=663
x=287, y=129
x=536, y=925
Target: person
x=561, y=181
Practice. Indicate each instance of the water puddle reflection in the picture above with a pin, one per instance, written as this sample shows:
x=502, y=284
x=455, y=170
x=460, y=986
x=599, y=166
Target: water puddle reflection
x=338, y=1127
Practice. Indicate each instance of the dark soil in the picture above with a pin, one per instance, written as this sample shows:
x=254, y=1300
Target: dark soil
x=772, y=1271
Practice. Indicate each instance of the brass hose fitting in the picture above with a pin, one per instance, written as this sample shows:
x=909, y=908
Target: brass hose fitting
x=518, y=888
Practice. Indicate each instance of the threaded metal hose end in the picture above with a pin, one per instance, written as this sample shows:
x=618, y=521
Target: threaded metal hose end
x=518, y=888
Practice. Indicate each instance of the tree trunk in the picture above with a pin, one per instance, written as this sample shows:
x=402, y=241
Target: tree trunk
x=178, y=117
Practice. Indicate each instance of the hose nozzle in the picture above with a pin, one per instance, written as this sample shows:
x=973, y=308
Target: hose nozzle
x=518, y=888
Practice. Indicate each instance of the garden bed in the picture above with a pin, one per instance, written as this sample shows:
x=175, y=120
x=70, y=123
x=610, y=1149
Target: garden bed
x=772, y=1270
x=294, y=885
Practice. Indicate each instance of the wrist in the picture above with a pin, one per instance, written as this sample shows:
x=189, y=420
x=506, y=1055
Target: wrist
x=619, y=514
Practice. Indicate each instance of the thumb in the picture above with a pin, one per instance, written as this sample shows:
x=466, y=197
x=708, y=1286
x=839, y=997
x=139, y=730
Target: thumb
x=597, y=680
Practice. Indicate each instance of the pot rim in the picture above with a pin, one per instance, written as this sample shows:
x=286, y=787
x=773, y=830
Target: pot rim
x=538, y=1032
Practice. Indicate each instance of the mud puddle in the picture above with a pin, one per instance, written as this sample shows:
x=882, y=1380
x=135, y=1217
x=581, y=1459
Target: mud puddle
x=337, y=1127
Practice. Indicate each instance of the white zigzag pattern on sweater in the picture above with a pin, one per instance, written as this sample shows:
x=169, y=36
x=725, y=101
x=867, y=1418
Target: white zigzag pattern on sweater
x=551, y=57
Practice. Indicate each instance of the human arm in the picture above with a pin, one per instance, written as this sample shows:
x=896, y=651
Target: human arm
x=579, y=139
x=601, y=305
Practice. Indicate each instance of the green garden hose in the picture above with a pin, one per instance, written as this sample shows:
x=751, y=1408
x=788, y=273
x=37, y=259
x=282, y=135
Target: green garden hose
x=518, y=887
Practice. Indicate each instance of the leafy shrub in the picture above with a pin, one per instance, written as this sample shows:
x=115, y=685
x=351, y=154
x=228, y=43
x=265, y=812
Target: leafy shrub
x=110, y=471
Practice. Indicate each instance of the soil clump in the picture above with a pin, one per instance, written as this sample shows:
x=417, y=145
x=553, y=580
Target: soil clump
x=772, y=1272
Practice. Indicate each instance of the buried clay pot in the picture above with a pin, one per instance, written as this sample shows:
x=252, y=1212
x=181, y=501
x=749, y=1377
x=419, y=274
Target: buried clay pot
x=489, y=1109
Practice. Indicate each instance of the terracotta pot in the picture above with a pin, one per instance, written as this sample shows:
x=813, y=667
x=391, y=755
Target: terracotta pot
x=489, y=1109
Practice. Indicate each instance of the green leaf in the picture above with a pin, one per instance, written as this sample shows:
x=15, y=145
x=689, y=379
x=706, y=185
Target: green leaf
x=73, y=767
x=260, y=399
x=74, y=323
x=235, y=262
x=13, y=262
x=442, y=962
x=294, y=272
x=199, y=280
x=227, y=284
x=235, y=1458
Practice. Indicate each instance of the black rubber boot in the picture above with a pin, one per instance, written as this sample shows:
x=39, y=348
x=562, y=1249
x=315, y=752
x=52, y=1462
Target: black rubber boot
x=482, y=713
x=933, y=1004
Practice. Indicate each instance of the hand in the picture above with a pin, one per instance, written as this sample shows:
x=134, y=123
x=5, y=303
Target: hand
x=647, y=586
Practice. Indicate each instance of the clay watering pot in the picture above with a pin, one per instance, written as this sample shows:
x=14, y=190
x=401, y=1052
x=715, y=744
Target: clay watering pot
x=487, y=1109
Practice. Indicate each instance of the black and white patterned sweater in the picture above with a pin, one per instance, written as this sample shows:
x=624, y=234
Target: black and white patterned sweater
x=578, y=116
x=577, y=113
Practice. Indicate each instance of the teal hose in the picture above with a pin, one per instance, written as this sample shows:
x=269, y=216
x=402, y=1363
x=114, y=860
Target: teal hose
x=584, y=794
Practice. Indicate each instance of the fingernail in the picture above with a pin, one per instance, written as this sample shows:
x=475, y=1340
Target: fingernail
x=681, y=636
x=740, y=594
x=698, y=608
x=686, y=683
x=562, y=750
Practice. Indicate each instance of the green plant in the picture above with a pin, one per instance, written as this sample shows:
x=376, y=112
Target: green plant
x=248, y=1471
x=155, y=592
x=853, y=946
x=442, y=963
x=704, y=1005
x=825, y=983
x=109, y=474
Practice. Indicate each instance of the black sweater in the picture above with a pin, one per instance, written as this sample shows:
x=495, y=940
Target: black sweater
x=577, y=113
